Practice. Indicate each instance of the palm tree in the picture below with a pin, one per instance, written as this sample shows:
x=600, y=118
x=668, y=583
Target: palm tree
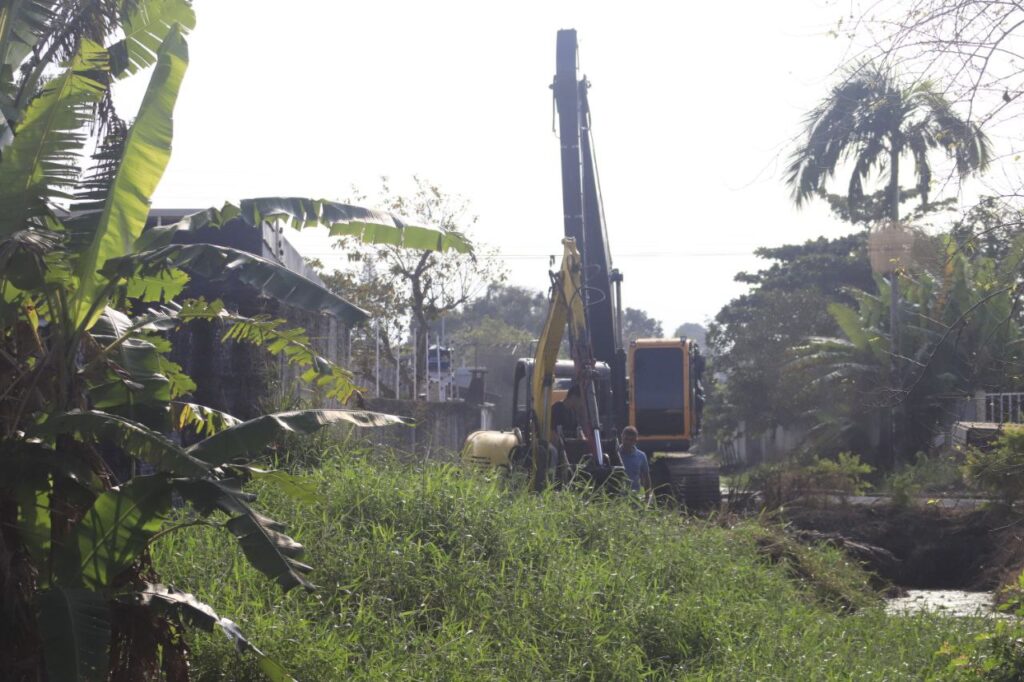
x=872, y=121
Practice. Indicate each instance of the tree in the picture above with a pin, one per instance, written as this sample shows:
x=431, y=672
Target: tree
x=750, y=338
x=692, y=330
x=969, y=42
x=519, y=307
x=873, y=121
x=990, y=228
x=961, y=335
x=501, y=322
x=82, y=378
x=636, y=324
x=433, y=284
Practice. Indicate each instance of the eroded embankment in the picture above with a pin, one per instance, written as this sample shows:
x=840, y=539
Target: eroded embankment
x=930, y=548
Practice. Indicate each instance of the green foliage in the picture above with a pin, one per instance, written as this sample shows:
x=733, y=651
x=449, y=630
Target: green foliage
x=76, y=632
x=991, y=229
x=1000, y=469
x=147, y=150
x=843, y=474
x=692, y=330
x=959, y=333
x=636, y=324
x=144, y=29
x=85, y=384
x=932, y=475
x=902, y=488
x=997, y=655
x=218, y=262
x=871, y=119
x=241, y=440
x=490, y=332
x=750, y=338
x=782, y=483
x=418, y=287
x=40, y=162
x=113, y=533
x=521, y=308
x=431, y=574
x=293, y=344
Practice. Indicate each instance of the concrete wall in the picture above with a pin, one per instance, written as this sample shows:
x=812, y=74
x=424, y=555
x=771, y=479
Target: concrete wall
x=439, y=433
x=752, y=449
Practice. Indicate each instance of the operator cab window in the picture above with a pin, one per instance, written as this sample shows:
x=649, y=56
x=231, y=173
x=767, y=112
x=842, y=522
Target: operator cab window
x=659, y=391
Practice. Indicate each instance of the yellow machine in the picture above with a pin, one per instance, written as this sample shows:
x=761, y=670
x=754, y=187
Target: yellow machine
x=665, y=399
x=654, y=386
x=532, y=441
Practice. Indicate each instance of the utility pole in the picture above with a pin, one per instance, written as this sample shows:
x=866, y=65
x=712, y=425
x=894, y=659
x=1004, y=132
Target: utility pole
x=376, y=372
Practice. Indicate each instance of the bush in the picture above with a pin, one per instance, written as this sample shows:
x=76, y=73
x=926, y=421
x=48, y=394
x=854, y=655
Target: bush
x=841, y=475
x=927, y=475
x=783, y=482
x=997, y=656
x=999, y=470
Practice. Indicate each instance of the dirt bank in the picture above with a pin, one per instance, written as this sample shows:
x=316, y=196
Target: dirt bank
x=933, y=548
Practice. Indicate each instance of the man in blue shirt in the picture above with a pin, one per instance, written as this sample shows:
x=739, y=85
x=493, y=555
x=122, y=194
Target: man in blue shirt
x=635, y=463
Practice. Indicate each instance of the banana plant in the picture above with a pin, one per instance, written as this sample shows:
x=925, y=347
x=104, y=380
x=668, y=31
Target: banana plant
x=960, y=331
x=81, y=379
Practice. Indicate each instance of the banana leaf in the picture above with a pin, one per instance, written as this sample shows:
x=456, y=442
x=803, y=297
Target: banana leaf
x=145, y=28
x=22, y=22
x=147, y=151
x=75, y=627
x=135, y=439
x=270, y=551
x=167, y=600
x=245, y=441
x=42, y=161
x=113, y=533
x=221, y=262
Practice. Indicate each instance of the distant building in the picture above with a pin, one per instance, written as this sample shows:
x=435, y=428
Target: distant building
x=240, y=378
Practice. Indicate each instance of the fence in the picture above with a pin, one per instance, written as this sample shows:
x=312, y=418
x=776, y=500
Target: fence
x=1001, y=408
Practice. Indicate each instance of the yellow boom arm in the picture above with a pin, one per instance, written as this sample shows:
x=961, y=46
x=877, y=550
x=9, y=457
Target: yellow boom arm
x=566, y=309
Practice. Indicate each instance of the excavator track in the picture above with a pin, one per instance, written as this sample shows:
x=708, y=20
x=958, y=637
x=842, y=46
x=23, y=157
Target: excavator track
x=691, y=481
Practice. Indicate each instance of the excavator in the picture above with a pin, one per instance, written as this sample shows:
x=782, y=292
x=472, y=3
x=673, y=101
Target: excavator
x=653, y=385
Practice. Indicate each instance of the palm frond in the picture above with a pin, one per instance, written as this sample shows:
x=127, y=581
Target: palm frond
x=22, y=24
x=42, y=162
x=144, y=30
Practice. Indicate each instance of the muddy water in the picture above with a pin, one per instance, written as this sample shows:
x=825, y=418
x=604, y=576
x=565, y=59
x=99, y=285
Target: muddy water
x=949, y=602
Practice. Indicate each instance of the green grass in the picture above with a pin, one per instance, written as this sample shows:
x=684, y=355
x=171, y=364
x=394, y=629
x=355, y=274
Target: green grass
x=428, y=574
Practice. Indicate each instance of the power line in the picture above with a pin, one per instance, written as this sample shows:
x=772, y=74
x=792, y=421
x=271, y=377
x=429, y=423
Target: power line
x=546, y=256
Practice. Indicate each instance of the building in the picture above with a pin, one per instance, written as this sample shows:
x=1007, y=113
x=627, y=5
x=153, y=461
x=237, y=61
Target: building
x=239, y=378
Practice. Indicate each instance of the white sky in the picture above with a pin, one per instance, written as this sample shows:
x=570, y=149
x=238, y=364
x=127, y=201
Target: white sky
x=694, y=106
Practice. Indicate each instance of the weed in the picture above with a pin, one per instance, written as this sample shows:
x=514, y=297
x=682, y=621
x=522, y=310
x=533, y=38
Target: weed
x=427, y=573
x=926, y=475
x=999, y=469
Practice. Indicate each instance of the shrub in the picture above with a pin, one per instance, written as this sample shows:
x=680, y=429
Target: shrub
x=999, y=470
x=842, y=475
x=937, y=474
x=784, y=482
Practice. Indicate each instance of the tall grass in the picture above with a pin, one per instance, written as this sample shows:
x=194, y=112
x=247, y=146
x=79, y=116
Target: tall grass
x=429, y=574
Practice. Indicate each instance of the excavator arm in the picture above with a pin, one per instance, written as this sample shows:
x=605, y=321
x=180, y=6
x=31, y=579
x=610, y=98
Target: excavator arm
x=565, y=313
x=584, y=219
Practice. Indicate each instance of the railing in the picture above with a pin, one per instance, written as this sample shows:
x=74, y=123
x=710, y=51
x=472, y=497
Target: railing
x=1004, y=407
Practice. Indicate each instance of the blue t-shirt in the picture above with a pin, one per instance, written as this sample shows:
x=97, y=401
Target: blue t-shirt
x=635, y=464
